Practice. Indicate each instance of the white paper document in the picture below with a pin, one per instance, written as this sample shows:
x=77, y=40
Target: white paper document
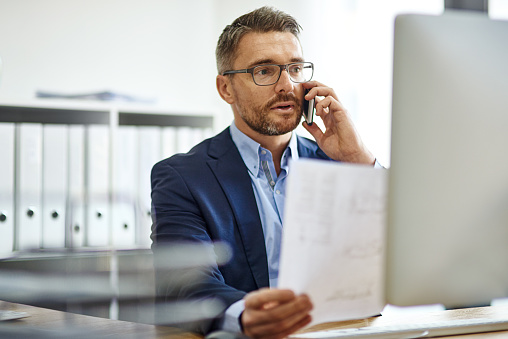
x=333, y=238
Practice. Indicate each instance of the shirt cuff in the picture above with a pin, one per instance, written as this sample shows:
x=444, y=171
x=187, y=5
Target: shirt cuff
x=231, y=317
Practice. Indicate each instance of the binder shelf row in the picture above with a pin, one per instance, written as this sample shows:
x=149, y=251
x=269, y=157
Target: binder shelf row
x=74, y=179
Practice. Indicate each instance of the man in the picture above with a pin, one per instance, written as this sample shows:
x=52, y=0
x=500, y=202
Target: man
x=231, y=187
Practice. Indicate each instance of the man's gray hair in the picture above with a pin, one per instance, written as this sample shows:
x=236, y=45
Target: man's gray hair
x=262, y=20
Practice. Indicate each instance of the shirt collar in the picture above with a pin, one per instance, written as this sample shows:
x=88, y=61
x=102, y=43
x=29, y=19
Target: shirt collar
x=293, y=146
x=249, y=149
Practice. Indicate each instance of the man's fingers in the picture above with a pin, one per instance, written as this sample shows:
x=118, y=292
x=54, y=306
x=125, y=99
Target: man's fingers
x=299, y=325
x=314, y=130
x=282, y=312
x=327, y=105
x=277, y=313
x=319, y=89
x=258, y=299
x=284, y=318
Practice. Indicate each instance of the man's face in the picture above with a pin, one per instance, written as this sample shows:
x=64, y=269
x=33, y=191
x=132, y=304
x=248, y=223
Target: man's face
x=269, y=110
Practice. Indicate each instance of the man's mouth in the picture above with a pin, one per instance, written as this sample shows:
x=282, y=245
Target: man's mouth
x=284, y=106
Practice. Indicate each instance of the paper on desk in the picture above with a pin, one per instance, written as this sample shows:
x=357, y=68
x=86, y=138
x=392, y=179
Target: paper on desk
x=333, y=238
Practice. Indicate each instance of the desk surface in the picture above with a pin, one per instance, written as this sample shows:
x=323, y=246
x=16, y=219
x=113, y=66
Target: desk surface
x=57, y=321
x=492, y=312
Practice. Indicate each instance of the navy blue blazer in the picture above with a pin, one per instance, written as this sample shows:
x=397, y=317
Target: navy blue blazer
x=206, y=196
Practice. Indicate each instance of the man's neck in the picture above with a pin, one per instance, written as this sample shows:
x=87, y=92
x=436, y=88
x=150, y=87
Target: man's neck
x=276, y=144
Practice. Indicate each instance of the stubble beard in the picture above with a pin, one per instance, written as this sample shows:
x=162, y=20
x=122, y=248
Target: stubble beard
x=260, y=120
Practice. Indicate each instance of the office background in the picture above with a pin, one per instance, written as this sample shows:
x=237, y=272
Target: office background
x=162, y=51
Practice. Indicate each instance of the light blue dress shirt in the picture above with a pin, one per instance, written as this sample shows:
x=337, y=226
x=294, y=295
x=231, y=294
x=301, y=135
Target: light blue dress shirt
x=270, y=193
x=269, y=190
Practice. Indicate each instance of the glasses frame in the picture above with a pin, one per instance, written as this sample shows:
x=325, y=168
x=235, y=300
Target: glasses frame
x=281, y=68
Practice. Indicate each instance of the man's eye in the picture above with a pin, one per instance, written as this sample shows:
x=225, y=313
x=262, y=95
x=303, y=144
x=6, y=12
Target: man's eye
x=264, y=71
x=296, y=69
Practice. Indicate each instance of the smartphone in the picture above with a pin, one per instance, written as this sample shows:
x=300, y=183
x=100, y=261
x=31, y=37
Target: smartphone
x=308, y=109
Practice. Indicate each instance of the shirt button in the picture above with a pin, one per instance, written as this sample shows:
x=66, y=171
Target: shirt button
x=272, y=183
x=263, y=152
x=277, y=191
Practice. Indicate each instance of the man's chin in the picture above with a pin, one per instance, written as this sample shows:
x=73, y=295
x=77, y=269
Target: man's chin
x=275, y=125
x=280, y=129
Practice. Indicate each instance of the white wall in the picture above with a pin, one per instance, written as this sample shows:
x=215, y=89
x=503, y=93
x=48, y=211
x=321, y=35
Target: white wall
x=498, y=9
x=151, y=48
x=165, y=49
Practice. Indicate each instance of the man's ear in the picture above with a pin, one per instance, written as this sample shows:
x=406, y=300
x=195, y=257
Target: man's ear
x=224, y=88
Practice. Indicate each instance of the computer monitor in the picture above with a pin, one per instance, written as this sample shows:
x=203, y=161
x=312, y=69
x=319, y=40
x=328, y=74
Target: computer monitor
x=447, y=238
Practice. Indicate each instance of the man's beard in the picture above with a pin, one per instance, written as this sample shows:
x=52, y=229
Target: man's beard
x=260, y=121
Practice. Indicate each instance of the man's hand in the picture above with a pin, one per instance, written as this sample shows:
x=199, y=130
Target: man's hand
x=274, y=313
x=340, y=141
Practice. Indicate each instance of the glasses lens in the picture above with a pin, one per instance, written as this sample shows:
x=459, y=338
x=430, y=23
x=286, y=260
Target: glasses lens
x=266, y=74
x=301, y=71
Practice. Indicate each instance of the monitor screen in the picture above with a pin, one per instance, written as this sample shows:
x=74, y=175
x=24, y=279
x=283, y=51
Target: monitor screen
x=447, y=238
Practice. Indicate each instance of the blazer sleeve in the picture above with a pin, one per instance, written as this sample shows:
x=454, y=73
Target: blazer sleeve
x=178, y=219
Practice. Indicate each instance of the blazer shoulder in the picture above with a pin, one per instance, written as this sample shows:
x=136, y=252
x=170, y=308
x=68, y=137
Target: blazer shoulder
x=206, y=149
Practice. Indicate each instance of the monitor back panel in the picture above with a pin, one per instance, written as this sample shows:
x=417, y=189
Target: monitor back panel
x=448, y=191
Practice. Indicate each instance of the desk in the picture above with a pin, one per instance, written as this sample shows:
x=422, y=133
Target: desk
x=92, y=327
x=54, y=320
x=493, y=312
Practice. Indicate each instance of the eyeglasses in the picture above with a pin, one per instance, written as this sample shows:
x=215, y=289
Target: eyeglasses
x=266, y=75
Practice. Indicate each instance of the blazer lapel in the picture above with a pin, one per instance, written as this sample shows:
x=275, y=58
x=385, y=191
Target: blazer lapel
x=232, y=174
x=309, y=149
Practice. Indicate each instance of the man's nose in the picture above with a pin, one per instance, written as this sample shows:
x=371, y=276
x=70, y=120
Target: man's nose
x=284, y=84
